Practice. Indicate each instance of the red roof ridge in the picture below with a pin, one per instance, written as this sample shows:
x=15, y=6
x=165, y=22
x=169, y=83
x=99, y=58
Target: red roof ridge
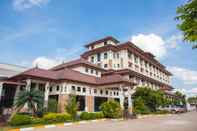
x=102, y=40
x=74, y=63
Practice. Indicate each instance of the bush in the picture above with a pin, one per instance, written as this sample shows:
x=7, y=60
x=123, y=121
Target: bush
x=111, y=109
x=19, y=119
x=140, y=107
x=91, y=115
x=56, y=117
x=37, y=121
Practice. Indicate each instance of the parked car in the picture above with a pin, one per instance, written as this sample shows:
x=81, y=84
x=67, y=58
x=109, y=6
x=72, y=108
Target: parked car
x=174, y=109
x=178, y=109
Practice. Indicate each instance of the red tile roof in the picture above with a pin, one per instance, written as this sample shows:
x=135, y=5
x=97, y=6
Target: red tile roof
x=102, y=40
x=75, y=63
x=71, y=75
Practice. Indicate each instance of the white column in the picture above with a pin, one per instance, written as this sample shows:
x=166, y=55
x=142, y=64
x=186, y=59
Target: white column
x=121, y=97
x=28, y=84
x=46, y=95
x=16, y=93
x=1, y=89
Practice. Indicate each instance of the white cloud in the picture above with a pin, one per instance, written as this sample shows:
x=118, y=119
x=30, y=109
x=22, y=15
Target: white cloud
x=151, y=42
x=155, y=44
x=26, y=4
x=45, y=63
x=186, y=75
x=61, y=55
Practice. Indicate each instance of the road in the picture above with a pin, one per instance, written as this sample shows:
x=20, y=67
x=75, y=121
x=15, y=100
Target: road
x=180, y=122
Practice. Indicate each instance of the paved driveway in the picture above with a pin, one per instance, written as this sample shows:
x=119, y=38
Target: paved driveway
x=181, y=122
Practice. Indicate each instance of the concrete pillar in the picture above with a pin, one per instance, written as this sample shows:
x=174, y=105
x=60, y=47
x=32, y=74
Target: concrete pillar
x=28, y=84
x=62, y=101
x=28, y=87
x=1, y=89
x=121, y=95
x=46, y=95
x=130, y=104
x=89, y=102
x=16, y=93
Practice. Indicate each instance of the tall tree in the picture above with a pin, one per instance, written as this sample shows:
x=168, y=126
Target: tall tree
x=187, y=15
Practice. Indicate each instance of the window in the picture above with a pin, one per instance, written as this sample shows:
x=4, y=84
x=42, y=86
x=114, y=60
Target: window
x=96, y=72
x=73, y=88
x=105, y=65
x=118, y=65
x=105, y=43
x=117, y=55
x=65, y=89
x=129, y=54
x=92, y=71
x=78, y=89
x=87, y=70
x=98, y=57
x=114, y=55
x=92, y=59
x=84, y=89
x=57, y=88
x=95, y=91
x=106, y=92
x=101, y=92
x=105, y=55
x=136, y=61
x=50, y=89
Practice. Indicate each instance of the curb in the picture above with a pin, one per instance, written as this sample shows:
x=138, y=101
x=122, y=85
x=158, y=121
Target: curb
x=60, y=125
x=148, y=116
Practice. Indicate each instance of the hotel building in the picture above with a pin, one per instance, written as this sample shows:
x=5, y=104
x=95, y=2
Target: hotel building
x=108, y=70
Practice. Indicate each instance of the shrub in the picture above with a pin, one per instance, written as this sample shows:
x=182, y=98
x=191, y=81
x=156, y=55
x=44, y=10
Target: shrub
x=140, y=107
x=19, y=119
x=56, y=117
x=37, y=121
x=111, y=109
x=91, y=115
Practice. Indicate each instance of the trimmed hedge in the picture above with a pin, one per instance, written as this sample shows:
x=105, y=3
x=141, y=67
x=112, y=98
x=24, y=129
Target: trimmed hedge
x=19, y=119
x=56, y=117
x=91, y=115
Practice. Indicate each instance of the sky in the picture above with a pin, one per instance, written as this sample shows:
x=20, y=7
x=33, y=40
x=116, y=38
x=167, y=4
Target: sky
x=47, y=32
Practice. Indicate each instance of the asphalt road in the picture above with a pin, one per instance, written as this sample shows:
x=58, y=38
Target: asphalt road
x=180, y=122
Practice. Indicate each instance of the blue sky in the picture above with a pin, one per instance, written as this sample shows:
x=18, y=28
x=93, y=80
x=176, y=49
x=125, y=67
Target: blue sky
x=47, y=32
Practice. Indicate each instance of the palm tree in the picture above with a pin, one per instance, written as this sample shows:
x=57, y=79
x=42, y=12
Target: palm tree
x=31, y=98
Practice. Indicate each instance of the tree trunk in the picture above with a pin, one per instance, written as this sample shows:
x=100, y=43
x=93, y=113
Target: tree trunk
x=33, y=108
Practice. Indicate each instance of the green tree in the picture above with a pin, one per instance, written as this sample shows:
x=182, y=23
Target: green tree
x=71, y=107
x=140, y=107
x=187, y=15
x=180, y=98
x=152, y=98
x=31, y=98
x=192, y=100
